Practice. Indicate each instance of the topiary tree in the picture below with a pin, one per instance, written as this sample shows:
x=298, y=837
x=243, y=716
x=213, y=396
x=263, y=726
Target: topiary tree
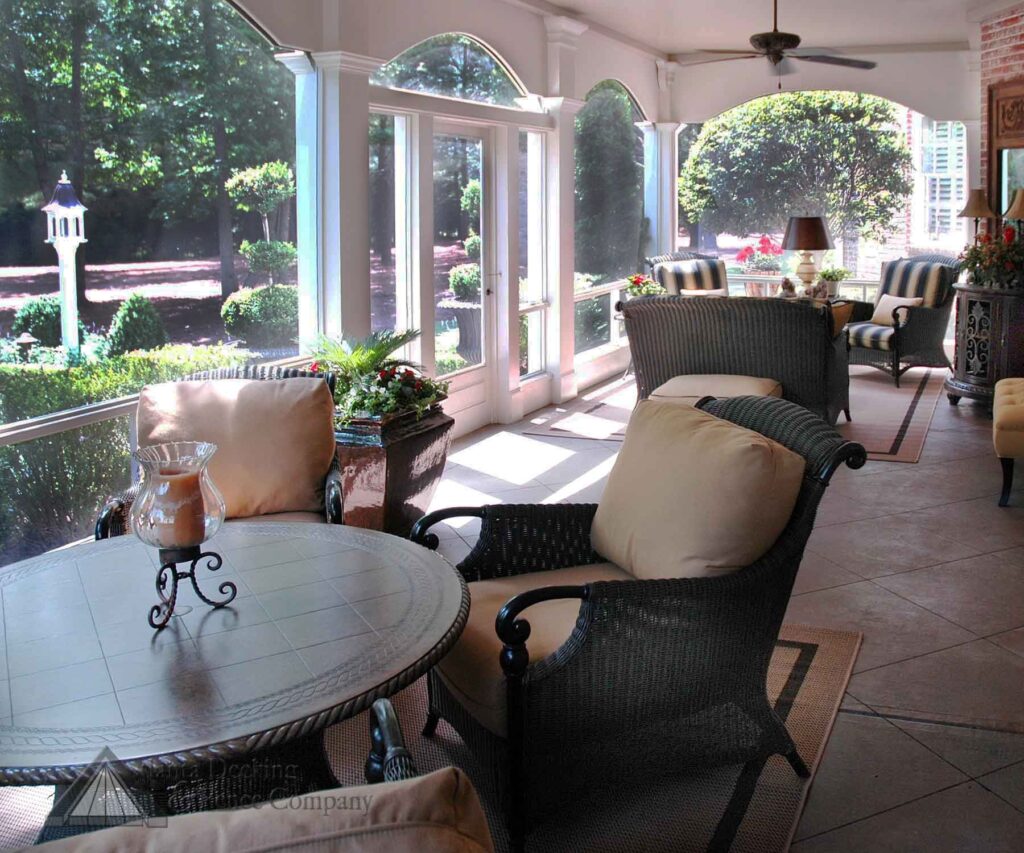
x=264, y=316
x=472, y=244
x=262, y=188
x=469, y=202
x=464, y=280
x=40, y=317
x=271, y=257
x=136, y=326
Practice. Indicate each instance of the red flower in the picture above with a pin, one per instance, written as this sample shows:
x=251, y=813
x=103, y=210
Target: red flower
x=383, y=374
x=314, y=367
x=1009, y=234
x=744, y=254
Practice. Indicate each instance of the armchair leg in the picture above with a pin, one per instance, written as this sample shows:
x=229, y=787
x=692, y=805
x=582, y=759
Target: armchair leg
x=797, y=763
x=847, y=413
x=1004, y=499
x=430, y=726
x=896, y=370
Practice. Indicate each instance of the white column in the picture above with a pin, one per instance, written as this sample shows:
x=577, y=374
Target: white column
x=563, y=33
x=68, y=277
x=561, y=204
x=506, y=231
x=344, y=191
x=662, y=202
x=306, y=207
x=422, y=190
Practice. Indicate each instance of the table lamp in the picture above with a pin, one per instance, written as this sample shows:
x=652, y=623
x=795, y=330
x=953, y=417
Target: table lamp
x=1015, y=211
x=806, y=234
x=977, y=208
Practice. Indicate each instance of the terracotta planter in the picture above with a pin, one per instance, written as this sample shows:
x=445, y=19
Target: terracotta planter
x=391, y=467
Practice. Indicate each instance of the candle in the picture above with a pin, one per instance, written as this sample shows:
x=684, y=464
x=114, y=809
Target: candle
x=178, y=517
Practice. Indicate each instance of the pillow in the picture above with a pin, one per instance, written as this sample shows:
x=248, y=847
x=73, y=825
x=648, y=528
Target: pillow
x=429, y=814
x=886, y=304
x=274, y=437
x=694, y=275
x=692, y=495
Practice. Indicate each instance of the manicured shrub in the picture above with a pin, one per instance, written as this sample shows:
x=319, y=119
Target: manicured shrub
x=51, y=488
x=136, y=326
x=40, y=317
x=264, y=316
x=269, y=257
x=464, y=281
x=472, y=244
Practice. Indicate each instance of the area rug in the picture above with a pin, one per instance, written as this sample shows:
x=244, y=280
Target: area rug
x=892, y=423
x=750, y=809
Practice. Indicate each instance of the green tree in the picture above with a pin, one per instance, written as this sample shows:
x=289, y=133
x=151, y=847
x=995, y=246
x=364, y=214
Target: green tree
x=838, y=153
x=609, y=184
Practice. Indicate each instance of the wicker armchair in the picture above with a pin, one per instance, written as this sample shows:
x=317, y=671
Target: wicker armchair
x=658, y=676
x=915, y=338
x=790, y=341
x=113, y=517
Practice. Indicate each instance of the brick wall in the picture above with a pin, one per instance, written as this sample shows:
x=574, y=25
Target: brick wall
x=1002, y=58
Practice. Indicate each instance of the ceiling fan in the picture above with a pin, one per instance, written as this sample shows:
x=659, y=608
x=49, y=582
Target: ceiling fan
x=778, y=47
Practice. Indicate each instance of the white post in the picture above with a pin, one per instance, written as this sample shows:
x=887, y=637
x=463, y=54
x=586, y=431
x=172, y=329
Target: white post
x=68, y=294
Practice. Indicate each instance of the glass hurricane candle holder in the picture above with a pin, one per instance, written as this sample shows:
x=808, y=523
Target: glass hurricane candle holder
x=177, y=509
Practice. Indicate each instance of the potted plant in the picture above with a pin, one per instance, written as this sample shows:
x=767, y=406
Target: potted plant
x=995, y=262
x=464, y=282
x=833, y=276
x=392, y=436
x=642, y=285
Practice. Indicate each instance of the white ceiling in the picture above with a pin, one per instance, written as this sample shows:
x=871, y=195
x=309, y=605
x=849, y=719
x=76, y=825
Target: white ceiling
x=679, y=26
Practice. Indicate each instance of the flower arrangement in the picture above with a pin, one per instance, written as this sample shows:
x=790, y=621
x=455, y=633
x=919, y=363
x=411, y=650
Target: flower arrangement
x=834, y=274
x=643, y=285
x=996, y=261
x=371, y=382
x=766, y=256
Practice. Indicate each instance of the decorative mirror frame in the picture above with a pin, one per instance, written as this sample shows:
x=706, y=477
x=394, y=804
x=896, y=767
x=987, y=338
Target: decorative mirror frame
x=1005, y=132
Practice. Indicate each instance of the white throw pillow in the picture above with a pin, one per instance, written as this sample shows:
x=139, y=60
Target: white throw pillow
x=886, y=305
x=692, y=495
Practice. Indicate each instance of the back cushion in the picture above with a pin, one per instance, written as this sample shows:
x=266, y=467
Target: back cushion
x=274, y=437
x=691, y=495
x=692, y=275
x=930, y=282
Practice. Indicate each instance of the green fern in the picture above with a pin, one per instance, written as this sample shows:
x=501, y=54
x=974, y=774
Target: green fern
x=368, y=357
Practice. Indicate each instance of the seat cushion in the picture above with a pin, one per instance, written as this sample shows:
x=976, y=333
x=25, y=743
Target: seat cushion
x=929, y=281
x=691, y=495
x=691, y=387
x=302, y=517
x=694, y=275
x=274, y=437
x=871, y=336
x=436, y=813
x=1008, y=419
x=887, y=304
x=471, y=669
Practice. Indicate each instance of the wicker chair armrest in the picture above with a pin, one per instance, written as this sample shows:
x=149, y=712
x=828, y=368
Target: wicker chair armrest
x=389, y=760
x=519, y=538
x=334, y=497
x=862, y=311
x=113, y=518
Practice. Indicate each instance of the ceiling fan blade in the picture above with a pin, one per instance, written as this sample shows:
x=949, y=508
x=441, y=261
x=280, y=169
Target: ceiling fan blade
x=721, y=59
x=843, y=61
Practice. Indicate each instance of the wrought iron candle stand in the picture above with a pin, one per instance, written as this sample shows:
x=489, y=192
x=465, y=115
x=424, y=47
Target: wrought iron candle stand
x=168, y=576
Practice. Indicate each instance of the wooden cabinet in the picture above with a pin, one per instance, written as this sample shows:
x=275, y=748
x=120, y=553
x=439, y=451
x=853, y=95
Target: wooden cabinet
x=989, y=341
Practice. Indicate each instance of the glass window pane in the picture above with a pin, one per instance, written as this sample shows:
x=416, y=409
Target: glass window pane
x=531, y=343
x=458, y=253
x=383, y=263
x=593, y=322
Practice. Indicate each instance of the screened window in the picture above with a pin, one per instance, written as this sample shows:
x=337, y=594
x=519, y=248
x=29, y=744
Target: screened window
x=453, y=65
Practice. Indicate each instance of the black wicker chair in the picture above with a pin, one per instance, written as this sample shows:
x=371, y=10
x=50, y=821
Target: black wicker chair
x=113, y=517
x=916, y=336
x=659, y=676
x=790, y=341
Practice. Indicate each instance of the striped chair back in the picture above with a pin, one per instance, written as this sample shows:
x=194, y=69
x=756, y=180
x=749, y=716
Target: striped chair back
x=931, y=282
x=697, y=274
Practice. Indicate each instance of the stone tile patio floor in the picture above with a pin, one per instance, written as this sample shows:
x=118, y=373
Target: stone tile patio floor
x=928, y=750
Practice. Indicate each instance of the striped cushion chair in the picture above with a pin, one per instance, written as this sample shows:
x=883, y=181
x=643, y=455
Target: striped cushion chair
x=696, y=277
x=906, y=324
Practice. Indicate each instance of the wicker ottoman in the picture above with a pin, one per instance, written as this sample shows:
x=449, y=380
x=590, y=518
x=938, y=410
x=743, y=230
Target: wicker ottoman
x=690, y=388
x=1008, y=429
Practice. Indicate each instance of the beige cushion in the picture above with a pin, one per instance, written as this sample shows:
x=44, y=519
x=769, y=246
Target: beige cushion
x=720, y=292
x=886, y=305
x=692, y=387
x=436, y=813
x=691, y=495
x=471, y=669
x=1008, y=419
x=274, y=437
x=303, y=517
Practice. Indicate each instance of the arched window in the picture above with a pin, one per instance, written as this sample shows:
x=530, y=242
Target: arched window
x=454, y=65
x=612, y=235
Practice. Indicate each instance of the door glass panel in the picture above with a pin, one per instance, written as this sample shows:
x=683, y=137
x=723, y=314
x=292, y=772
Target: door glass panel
x=383, y=266
x=458, y=253
x=531, y=246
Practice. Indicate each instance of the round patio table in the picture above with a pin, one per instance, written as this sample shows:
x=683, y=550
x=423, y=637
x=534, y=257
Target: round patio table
x=223, y=703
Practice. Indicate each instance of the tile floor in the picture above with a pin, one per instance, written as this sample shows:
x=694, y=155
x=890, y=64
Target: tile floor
x=928, y=751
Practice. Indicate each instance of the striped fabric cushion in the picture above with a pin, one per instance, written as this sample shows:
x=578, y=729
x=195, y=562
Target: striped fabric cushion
x=917, y=279
x=692, y=275
x=870, y=336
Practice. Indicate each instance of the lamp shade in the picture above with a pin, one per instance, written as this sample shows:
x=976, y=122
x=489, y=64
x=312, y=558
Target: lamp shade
x=1016, y=208
x=977, y=206
x=807, y=234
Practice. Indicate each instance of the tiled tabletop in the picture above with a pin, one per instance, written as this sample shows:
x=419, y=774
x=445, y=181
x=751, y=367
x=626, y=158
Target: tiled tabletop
x=325, y=614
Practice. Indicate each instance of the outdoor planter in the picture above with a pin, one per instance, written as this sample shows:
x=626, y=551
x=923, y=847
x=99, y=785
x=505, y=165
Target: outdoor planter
x=468, y=316
x=391, y=467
